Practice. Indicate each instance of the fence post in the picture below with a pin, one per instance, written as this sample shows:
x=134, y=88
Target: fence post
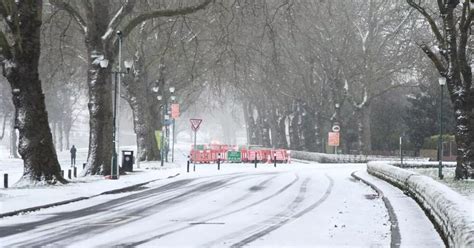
x=5, y=180
x=69, y=173
x=75, y=171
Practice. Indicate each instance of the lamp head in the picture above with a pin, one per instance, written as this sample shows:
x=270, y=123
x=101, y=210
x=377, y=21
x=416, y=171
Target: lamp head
x=104, y=63
x=159, y=97
x=442, y=81
x=119, y=33
x=172, y=90
x=128, y=65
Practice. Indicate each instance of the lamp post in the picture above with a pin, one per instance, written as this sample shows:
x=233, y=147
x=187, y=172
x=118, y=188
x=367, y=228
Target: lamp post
x=104, y=63
x=336, y=119
x=165, y=117
x=173, y=99
x=442, y=83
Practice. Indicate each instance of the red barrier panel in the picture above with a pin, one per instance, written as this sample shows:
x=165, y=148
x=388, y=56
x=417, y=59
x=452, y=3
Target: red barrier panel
x=210, y=154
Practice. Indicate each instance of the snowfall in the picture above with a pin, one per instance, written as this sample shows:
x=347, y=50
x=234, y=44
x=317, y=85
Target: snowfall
x=291, y=205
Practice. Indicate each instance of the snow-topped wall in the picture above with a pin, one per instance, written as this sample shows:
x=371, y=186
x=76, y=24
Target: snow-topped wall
x=343, y=158
x=452, y=213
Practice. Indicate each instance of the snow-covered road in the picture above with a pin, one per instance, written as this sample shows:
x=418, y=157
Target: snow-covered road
x=292, y=205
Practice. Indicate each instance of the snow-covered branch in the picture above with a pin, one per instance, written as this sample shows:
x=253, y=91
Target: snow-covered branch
x=123, y=11
x=73, y=12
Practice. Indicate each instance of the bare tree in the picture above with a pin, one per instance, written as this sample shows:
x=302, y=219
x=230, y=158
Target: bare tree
x=98, y=24
x=451, y=53
x=20, y=54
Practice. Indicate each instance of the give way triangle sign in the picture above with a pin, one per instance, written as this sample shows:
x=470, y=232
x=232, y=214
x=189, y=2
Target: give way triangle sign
x=195, y=124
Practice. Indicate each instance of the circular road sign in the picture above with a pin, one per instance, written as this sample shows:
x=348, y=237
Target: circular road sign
x=336, y=128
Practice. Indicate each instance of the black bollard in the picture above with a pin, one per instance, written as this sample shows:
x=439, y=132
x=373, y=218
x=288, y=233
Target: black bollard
x=75, y=171
x=275, y=161
x=83, y=166
x=218, y=164
x=5, y=180
x=69, y=173
x=187, y=166
x=255, y=161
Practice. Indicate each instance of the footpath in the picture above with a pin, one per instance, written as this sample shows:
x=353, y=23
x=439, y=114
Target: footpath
x=18, y=200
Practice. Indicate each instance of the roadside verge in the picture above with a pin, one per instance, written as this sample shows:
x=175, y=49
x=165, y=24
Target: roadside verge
x=450, y=212
x=64, y=202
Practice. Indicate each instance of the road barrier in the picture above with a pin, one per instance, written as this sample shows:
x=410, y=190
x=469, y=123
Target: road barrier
x=206, y=154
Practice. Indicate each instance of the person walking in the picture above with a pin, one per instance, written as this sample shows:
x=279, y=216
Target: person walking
x=73, y=156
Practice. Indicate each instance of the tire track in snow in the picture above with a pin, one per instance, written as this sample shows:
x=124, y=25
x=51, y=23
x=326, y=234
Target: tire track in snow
x=75, y=230
x=278, y=220
x=283, y=189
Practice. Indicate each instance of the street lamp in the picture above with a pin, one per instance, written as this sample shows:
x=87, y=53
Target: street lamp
x=104, y=63
x=165, y=121
x=442, y=83
x=173, y=99
x=337, y=107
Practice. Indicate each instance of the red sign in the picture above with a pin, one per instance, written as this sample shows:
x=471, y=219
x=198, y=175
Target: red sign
x=174, y=110
x=195, y=124
x=333, y=138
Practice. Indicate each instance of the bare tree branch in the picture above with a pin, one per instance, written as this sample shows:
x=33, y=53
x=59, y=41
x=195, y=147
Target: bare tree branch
x=162, y=13
x=73, y=12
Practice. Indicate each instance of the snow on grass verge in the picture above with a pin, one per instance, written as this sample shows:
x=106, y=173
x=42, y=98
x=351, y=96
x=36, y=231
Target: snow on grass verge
x=463, y=187
x=452, y=213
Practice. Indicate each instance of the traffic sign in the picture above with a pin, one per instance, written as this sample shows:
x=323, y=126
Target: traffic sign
x=336, y=128
x=333, y=139
x=174, y=110
x=195, y=124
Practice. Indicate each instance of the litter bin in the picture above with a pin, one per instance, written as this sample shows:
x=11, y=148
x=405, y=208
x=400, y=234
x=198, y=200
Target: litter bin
x=127, y=160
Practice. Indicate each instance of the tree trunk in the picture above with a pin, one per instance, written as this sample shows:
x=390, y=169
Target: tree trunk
x=60, y=132
x=100, y=92
x=142, y=102
x=363, y=130
x=318, y=132
x=67, y=133
x=464, y=139
x=36, y=144
x=144, y=130
x=13, y=145
x=54, y=133
x=295, y=142
x=101, y=120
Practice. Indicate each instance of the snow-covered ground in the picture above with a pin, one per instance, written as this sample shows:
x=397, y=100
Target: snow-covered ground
x=452, y=212
x=298, y=204
x=464, y=187
x=13, y=198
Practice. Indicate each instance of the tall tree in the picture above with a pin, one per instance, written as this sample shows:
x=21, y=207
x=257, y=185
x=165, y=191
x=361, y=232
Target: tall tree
x=20, y=53
x=98, y=23
x=450, y=52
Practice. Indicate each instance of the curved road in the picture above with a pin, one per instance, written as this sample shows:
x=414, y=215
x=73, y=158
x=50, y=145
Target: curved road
x=292, y=205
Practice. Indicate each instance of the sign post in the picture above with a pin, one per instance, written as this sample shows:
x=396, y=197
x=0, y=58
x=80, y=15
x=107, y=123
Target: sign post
x=174, y=115
x=195, y=123
x=334, y=137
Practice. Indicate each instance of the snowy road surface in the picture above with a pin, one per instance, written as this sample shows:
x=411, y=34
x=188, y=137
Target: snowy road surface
x=292, y=205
